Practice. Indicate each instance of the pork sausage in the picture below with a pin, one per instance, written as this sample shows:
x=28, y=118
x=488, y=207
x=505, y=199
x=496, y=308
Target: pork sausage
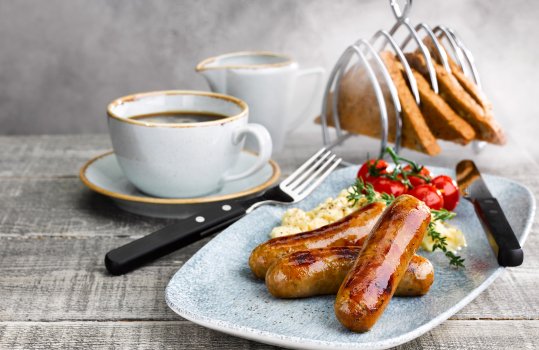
x=321, y=271
x=349, y=231
x=381, y=264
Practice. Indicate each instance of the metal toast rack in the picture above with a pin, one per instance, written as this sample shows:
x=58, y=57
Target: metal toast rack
x=443, y=38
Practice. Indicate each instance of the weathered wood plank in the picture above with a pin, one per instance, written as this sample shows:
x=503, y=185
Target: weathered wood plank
x=65, y=279
x=185, y=335
x=479, y=335
x=48, y=155
x=65, y=207
x=55, y=278
x=117, y=335
x=63, y=155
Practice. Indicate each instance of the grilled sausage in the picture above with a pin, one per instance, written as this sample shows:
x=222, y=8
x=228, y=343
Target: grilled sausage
x=417, y=279
x=381, y=264
x=321, y=271
x=349, y=231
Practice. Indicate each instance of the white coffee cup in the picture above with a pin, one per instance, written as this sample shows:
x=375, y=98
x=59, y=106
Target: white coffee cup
x=175, y=158
x=269, y=83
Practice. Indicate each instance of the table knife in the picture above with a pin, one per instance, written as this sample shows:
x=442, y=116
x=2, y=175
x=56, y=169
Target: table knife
x=499, y=232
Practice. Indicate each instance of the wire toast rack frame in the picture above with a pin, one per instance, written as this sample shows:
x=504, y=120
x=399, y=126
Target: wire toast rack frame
x=364, y=49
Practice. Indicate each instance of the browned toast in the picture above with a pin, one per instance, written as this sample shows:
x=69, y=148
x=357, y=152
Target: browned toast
x=470, y=87
x=481, y=119
x=414, y=128
x=359, y=111
x=444, y=123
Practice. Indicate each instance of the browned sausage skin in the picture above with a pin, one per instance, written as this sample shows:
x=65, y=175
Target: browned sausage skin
x=349, y=231
x=310, y=272
x=417, y=279
x=321, y=271
x=381, y=264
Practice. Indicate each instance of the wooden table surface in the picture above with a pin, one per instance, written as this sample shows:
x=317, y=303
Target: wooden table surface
x=54, y=233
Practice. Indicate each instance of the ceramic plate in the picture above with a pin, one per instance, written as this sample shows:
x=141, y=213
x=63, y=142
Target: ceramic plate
x=215, y=287
x=103, y=175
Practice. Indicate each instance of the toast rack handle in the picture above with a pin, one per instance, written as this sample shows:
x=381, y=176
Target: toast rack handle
x=400, y=14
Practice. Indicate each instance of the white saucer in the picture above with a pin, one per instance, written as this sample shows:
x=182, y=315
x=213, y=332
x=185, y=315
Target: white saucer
x=102, y=174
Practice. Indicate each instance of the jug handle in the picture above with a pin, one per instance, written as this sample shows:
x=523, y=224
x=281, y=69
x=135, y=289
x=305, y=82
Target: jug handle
x=300, y=117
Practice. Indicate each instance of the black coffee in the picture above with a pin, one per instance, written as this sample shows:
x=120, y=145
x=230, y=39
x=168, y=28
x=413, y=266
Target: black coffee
x=179, y=117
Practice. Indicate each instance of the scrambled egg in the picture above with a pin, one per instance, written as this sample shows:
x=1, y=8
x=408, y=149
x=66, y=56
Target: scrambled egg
x=454, y=237
x=295, y=220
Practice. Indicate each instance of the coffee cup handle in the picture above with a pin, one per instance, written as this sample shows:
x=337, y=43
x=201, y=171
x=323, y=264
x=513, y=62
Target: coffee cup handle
x=263, y=140
x=300, y=116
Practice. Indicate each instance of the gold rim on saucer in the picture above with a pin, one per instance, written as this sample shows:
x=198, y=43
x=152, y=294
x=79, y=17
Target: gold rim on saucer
x=82, y=174
x=141, y=95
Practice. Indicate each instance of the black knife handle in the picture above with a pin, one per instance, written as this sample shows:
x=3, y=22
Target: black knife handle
x=166, y=240
x=501, y=235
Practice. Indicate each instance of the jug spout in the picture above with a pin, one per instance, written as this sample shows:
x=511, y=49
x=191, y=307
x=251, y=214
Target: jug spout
x=215, y=69
x=215, y=75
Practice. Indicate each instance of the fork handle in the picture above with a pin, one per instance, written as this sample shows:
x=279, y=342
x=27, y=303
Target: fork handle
x=166, y=240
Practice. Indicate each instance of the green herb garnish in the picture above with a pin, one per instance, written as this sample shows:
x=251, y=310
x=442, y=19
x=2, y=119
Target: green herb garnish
x=388, y=198
x=440, y=240
x=442, y=215
x=360, y=190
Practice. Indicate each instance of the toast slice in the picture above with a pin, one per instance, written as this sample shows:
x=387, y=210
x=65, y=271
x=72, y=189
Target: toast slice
x=470, y=87
x=359, y=111
x=481, y=119
x=444, y=123
x=414, y=127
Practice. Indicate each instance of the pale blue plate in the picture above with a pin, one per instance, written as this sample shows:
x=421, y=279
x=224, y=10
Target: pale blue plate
x=215, y=287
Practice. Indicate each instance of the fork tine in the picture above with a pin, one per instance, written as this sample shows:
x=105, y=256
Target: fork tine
x=311, y=178
x=308, y=171
x=322, y=177
x=302, y=167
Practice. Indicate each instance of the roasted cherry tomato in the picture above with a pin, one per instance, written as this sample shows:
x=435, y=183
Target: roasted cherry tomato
x=418, y=180
x=385, y=185
x=446, y=185
x=428, y=194
x=372, y=168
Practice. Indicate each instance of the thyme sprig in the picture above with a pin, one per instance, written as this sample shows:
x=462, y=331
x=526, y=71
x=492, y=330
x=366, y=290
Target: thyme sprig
x=442, y=215
x=361, y=190
x=440, y=241
x=388, y=198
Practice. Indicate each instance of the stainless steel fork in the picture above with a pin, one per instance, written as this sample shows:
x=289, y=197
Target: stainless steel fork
x=293, y=189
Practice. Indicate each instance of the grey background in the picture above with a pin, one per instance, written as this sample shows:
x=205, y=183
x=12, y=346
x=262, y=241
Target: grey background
x=62, y=61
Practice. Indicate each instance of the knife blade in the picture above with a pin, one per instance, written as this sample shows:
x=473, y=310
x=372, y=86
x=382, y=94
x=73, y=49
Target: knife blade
x=499, y=232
